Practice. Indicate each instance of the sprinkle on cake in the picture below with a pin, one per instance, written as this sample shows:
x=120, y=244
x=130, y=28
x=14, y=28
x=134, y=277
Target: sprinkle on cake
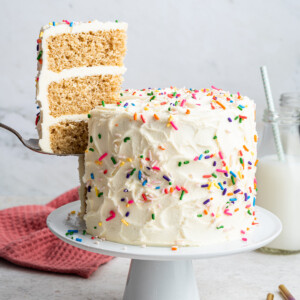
x=171, y=167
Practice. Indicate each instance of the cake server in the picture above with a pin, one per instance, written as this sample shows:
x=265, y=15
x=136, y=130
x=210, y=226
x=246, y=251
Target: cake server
x=32, y=144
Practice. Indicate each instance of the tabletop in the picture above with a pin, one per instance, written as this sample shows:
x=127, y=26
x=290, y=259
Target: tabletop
x=243, y=276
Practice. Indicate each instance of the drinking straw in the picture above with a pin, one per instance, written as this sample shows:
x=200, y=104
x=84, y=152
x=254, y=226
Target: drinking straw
x=271, y=108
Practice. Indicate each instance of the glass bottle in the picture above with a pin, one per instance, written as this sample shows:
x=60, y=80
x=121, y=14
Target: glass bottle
x=278, y=182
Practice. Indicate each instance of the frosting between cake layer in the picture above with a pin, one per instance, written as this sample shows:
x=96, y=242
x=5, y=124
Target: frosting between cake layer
x=158, y=173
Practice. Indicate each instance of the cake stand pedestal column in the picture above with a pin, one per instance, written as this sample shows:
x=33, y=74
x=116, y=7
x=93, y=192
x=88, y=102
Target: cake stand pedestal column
x=161, y=280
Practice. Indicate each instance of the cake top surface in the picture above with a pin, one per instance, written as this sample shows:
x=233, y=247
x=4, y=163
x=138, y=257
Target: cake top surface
x=181, y=100
x=191, y=118
x=54, y=28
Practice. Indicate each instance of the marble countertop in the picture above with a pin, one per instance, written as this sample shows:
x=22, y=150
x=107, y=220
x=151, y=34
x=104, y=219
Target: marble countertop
x=246, y=276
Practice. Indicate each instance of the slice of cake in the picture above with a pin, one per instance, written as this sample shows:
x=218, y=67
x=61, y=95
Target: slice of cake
x=171, y=167
x=80, y=66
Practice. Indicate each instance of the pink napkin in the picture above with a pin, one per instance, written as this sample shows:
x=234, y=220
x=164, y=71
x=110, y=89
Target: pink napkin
x=25, y=240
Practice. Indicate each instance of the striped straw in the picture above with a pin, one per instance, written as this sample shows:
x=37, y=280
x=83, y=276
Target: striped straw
x=271, y=108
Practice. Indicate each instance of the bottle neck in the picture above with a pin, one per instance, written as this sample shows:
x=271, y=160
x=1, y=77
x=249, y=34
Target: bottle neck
x=290, y=100
x=288, y=113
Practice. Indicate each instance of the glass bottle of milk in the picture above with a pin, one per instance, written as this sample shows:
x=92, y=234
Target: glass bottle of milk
x=278, y=182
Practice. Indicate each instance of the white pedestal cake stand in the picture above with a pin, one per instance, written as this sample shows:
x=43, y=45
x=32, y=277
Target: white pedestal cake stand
x=158, y=273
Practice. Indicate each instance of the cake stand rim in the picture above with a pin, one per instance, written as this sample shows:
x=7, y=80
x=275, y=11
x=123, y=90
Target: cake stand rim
x=56, y=222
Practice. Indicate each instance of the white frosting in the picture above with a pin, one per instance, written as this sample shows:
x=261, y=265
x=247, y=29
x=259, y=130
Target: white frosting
x=175, y=217
x=62, y=27
x=46, y=76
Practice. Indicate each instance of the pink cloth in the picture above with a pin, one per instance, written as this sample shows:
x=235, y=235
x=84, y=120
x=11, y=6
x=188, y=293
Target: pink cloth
x=25, y=240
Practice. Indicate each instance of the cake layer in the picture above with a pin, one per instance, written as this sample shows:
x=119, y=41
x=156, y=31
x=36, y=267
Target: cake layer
x=172, y=167
x=86, y=49
x=79, y=95
x=68, y=137
x=66, y=45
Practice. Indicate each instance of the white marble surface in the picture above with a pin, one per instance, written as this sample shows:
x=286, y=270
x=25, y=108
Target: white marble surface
x=247, y=276
x=183, y=43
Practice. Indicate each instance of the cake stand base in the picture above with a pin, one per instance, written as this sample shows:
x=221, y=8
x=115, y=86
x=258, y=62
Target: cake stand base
x=158, y=273
x=161, y=280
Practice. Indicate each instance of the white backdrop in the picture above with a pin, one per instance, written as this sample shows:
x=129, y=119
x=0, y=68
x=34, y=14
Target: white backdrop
x=170, y=42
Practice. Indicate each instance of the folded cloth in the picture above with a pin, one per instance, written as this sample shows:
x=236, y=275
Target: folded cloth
x=25, y=240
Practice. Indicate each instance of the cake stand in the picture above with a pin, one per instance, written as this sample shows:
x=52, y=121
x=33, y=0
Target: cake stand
x=159, y=273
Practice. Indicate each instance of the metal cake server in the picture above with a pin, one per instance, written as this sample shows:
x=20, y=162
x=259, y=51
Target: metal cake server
x=32, y=144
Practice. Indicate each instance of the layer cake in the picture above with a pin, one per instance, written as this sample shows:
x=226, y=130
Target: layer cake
x=171, y=167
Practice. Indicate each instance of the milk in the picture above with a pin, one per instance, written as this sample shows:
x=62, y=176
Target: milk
x=278, y=186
